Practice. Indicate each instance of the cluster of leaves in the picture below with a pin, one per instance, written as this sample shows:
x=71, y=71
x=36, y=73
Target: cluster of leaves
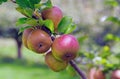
x=1, y=1
x=31, y=10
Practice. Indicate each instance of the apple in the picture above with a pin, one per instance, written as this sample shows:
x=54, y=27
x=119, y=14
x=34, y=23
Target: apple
x=65, y=47
x=39, y=41
x=54, y=14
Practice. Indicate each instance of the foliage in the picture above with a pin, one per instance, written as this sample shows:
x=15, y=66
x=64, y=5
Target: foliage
x=1, y=1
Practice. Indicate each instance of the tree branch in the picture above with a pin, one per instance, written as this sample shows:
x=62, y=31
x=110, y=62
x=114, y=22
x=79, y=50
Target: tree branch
x=72, y=63
x=13, y=1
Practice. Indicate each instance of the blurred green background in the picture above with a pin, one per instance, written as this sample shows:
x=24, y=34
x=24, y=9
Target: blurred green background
x=89, y=15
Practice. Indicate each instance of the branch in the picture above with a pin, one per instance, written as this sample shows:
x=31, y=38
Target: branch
x=72, y=63
x=13, y=1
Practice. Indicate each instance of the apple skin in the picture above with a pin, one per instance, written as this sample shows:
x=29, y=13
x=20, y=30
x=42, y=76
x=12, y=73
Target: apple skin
x=39, y=41
x=55, y=64
x=115, y=74
x=54, y=14
x=25, y=35
x=99, y=74
x=91, y=73
x=65, y=47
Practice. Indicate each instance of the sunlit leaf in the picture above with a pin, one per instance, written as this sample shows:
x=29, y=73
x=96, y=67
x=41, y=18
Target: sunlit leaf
x=49, y=24
x=113, y=19
x=109, y=37
x=23, y=28
x=70, y=29
x=66, y=25
x=27, y=3
x=25, y=11
x=21, y=21
x=82, y=38
x=31, y=21
x=113, y=3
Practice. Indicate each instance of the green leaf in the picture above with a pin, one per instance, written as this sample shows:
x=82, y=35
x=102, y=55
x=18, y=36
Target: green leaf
x=27, y=3
x=31, y=21
x=21, y=21
x=28, y=21
x=66, y=25
x=37, y=6
x=113, y=3
x=113, y=19
x=23, y=28
x=1, y=1
x=48, y=4
x=25, y=11
x=70, y=29
x=49, y=24
x=82, y=38
x=109, y=37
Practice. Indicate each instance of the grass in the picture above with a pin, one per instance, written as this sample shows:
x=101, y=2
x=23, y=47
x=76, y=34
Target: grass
x=21, y=69
x=31, y=66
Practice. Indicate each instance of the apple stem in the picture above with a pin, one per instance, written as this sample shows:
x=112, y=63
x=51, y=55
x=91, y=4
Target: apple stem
x=73, y=64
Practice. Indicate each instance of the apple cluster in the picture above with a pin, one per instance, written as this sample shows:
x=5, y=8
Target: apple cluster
x=58, y=50
x=99, y=74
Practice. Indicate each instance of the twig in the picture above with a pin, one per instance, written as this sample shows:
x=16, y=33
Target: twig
x=72, y=63
x=13, y=1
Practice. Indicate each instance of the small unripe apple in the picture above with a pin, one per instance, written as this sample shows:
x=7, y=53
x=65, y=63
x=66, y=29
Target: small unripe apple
x=39, y=41
x=55, y=64
x=115, y=74
x=65, y=47
x=25, y=35
x=54, y=14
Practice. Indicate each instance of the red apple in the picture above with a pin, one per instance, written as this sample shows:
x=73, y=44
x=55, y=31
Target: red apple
x=39, y=41
x=25, y=35
x=91, y=73
x=65, y=47
x=99, y=74
x=115, y=74
x=54, y=14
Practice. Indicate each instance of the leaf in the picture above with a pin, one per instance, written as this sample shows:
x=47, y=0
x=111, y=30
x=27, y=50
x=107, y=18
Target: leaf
x=21, y=21
x=1, y=1
x=113, y=19
x=71, y=28
x=38, y=6
x=31, y=21
x=66, y=25
x=109, y=37
x=113, y=3
x=23, y=28
x=49, y=24
x=25, y=11
x=48, y=4
x=27, y=3
x=28, y=21
x=82, y=38
x=23, y=3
